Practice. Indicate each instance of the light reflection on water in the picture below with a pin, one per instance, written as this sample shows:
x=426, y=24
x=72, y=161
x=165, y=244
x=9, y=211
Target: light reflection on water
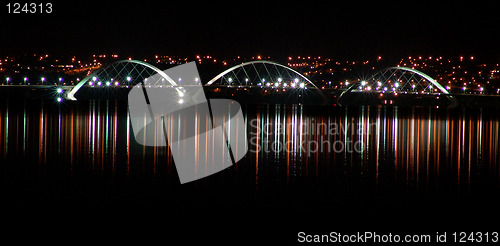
x=419, y=148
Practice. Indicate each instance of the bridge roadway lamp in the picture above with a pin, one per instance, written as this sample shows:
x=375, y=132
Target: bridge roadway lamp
x=205, y=136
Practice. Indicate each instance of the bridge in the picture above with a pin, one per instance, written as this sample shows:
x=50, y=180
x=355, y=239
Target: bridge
x=265, y=76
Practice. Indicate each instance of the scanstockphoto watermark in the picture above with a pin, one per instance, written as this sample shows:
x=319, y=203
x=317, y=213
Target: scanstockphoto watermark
x=308, y=137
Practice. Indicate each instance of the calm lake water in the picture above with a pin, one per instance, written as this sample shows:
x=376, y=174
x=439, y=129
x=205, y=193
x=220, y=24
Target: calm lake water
x=360, y=164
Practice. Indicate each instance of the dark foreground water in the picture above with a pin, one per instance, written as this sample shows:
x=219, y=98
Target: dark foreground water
x=75, y=168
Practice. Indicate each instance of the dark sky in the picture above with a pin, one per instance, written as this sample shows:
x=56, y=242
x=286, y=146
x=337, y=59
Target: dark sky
x=347, y=29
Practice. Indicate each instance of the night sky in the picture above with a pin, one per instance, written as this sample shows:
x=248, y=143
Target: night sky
x=346, y=29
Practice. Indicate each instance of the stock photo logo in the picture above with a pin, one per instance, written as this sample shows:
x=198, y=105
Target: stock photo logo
x=204, y=136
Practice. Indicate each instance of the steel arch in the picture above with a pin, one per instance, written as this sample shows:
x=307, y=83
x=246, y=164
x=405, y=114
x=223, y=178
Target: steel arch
x=407, y=69
x=425, y=76
x=71, y=94
x=254, y=62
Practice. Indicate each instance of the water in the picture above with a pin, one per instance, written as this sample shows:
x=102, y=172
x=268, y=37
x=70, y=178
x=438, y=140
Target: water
x=352, y=165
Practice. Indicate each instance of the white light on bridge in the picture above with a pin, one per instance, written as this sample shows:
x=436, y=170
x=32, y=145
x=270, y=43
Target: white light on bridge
x=296, y=80
x=129, y=79
x=116, y=83
x=302, y=85
x=396, y=85
x=464, y=88
x=59, y=99
x=268, y=84
x=385, y=88
x=181, y=101
x=230, y=80
x=481, y=89
x=25, y=79
x=91, y=83
x=280, y=79
x=108, y=83
x=7, y=79
x=59, y=90
x=60, y=79
x=42, y=79
x=94, y=78
x=99, y=83
x=363, y=83
x=276, y=84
